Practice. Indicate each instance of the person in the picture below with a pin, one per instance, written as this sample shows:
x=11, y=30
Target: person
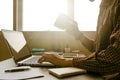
x=105, y=59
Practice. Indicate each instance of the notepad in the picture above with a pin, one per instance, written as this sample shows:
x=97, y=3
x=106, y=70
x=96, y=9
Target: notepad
x=20, y=75
x=66, y=71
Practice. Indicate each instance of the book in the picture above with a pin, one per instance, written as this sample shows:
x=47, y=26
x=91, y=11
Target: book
x=66, y=71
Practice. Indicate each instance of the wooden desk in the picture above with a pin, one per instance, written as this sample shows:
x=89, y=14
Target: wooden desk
x=44, y=70
x=48, y=76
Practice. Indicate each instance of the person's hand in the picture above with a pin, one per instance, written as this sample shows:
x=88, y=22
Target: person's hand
x=74, y=30
x=55, y=59
x=67, y=23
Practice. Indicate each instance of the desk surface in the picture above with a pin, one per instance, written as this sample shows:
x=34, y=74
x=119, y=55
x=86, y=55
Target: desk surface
x=48, y=76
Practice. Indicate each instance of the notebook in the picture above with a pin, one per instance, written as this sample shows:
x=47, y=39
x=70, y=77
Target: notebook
x=66, y=71
x=20, y=50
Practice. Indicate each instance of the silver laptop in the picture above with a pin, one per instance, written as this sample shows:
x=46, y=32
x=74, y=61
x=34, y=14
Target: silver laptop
x=20, y=50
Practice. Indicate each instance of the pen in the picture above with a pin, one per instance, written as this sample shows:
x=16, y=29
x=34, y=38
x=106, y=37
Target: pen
x=17, y=70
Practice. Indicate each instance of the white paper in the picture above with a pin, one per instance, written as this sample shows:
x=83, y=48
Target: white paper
x=8, y=63
x=32, y=73
x=15, y=39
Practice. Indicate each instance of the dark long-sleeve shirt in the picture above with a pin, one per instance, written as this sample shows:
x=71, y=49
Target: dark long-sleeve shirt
x=106, y=59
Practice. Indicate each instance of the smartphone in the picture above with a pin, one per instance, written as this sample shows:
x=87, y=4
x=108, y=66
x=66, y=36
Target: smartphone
x=63, y=21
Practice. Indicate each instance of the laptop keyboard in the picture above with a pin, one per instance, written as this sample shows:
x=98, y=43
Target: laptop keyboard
x=32, y=60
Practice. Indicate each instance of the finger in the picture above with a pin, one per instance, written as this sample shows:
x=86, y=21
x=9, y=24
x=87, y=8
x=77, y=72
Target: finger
x=42, y=59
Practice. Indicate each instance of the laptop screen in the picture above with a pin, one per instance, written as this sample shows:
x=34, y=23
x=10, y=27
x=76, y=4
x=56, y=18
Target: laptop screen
x=17, y=44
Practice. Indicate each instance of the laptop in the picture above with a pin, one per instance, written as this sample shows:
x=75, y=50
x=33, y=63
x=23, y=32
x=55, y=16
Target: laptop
x=20, y=50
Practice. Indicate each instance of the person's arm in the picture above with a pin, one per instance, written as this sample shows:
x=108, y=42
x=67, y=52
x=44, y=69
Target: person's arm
x=88, y=43
x=106, y=61
x=55, y=59
x=70, y=25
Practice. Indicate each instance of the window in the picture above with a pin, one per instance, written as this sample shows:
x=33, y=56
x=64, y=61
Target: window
x=86, y=14
x=41, y=14
x=6, y=14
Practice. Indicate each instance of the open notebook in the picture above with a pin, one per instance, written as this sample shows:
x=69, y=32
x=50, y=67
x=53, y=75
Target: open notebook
x=66, y=71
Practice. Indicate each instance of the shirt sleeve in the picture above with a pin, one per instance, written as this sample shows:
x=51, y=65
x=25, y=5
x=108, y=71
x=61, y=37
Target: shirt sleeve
x=88, y=43
x=106, y=61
